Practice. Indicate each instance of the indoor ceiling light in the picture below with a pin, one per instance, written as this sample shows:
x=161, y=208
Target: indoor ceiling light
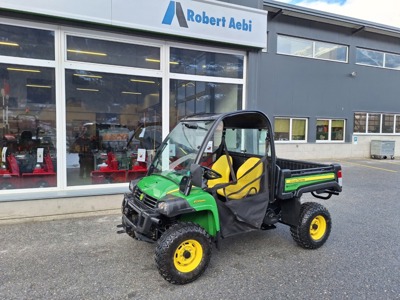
x=87, y=52
x=9, y=44
x=142, y=81
x=23, y=70
x=152, y=60
x=157, y=61
x=39, y=86
x=131, y=93
x=87, y=90
x=90, y=76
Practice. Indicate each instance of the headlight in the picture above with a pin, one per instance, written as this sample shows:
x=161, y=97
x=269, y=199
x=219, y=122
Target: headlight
x=172, y=207
x=132, y=185
x=163, y=207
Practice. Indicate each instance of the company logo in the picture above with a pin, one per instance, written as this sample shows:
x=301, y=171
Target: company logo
x=203, y=18
x=172, y=10
x=141, y=197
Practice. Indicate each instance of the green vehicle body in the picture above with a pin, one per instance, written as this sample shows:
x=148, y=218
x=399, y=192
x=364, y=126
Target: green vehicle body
x=205, y=211
x=189, y=198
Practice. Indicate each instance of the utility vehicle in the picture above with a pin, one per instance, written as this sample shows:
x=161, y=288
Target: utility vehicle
x=217, y=175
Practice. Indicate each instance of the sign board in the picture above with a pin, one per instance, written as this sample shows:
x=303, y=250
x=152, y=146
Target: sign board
x=201, y=19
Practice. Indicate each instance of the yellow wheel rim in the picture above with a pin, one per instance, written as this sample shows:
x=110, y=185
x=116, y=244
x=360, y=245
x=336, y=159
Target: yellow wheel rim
x=188, y=256
x=318, y=228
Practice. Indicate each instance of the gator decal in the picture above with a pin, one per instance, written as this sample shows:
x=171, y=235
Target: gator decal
x=292, y=184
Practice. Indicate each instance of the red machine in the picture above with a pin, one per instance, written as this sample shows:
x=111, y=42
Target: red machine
x=43, y=174
x=9, y=172
x=109, y=173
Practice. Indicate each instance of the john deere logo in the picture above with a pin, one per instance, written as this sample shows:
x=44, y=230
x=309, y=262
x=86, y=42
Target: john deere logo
x=141, y=197
x=172, y=10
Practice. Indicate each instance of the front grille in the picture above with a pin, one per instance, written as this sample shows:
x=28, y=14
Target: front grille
x=146, y=200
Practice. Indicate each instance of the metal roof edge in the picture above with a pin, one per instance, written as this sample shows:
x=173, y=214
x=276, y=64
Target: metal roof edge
x=329, y=18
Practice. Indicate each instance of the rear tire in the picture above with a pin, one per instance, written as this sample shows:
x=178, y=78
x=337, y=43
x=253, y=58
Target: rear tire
x=314, y=226
x=183, y=253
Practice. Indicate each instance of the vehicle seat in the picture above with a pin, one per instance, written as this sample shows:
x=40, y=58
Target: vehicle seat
x=221, y=166
x=248, y=180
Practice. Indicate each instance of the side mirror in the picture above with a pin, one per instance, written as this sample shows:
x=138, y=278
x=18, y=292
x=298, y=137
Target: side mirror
x=196, y=173
x=185, y=186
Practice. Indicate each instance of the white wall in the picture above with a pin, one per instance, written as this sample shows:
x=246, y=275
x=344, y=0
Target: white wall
x=361, y=149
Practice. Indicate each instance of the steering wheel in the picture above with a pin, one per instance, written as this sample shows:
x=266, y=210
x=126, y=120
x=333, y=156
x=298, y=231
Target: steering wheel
x=210, y=173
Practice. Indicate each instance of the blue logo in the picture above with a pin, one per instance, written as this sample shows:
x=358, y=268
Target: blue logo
x=172, y=10
x=204, y=18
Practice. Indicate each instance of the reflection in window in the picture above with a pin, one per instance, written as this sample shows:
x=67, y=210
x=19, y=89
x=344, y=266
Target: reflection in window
x=360, y=123
x=330, y=51
x=397, y=124
x=112, y=53
x=313, y=49
x=387, y=123
x=195, y=97
x=369, y=57
x=204, y=63
x=374, y=123
x=392, y=61
x=28, y=127
x=113, y=126
x=290, y=129
x=330, y=130
x=26, y=42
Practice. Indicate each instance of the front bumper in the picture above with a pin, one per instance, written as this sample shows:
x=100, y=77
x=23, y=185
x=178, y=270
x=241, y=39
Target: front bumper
x=139, y=219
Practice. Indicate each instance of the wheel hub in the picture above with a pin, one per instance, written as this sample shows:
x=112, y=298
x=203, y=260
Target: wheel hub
x=318, y=228
x=188, y=256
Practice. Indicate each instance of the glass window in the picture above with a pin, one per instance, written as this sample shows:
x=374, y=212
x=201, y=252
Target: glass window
x=392, y=61
x=360, y=122
x=195, y=97
x=313, y=49
x=28, y=127
x=246, y=141
x=369, y=57
x=387, y=123
x=295, y=46
x=204, y=63
x=374, y=123
x=113, y=126
x=290, y=129
x=322, y=130
x=112, y=53
x=397, y=129
x=282, y=129
x=299, y=129
x=26, y=42
x=330, y=130
x=330, y=51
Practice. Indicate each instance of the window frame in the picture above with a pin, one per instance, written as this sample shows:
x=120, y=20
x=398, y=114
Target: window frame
x=396, y=119
x=313, y=49
x=329, y=140
x=291, y=119
x=383, y=59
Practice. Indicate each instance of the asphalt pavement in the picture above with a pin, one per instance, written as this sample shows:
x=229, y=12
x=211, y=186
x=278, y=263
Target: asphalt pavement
x=84, y=258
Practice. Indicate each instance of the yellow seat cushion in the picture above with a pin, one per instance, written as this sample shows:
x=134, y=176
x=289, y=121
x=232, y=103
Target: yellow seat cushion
x=221, y=166
x=244, y=181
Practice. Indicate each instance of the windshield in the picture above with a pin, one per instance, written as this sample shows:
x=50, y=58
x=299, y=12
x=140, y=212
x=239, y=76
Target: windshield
x=180, y=149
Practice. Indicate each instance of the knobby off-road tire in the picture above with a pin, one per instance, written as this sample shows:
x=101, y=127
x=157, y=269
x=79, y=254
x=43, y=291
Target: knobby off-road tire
x=183, y=252
x=314, y=226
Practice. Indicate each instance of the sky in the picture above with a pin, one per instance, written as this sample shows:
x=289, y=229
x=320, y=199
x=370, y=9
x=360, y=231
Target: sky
x=385, y=12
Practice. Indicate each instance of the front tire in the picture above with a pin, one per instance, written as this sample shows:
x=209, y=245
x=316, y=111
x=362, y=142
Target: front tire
x=314, y=226
x=183, y=252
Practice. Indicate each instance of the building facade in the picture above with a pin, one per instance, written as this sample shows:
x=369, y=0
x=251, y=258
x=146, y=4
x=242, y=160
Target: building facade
x=89, y=90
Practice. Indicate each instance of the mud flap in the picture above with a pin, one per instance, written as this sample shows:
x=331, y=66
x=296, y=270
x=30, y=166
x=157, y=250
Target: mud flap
x=290, y=212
